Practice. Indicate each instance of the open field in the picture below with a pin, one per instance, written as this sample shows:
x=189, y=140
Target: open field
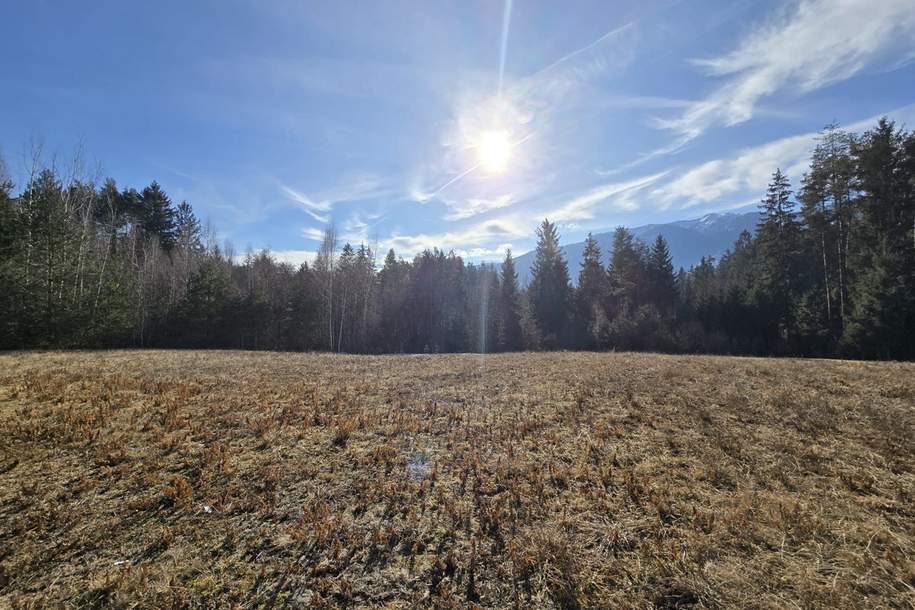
x=172, y=479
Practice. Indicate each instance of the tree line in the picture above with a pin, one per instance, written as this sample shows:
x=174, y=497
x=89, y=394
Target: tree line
x=830, y=271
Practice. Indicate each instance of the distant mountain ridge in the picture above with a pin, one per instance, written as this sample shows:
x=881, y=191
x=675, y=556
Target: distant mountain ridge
x=689, y=241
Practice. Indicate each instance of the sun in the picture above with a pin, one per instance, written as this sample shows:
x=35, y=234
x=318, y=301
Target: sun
x=494, y=150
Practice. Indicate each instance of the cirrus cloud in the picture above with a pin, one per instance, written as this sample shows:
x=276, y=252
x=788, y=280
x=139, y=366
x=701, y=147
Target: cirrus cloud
x=814, y=44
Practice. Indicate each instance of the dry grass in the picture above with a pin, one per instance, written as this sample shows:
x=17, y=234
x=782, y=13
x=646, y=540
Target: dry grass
x=173, y=479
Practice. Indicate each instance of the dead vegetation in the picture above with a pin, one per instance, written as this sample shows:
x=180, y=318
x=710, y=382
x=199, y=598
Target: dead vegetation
x=176, y=479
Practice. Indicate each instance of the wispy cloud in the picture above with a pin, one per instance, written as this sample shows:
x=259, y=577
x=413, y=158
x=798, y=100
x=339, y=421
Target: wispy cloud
x=355, y=229
x=313, y=208
x=813, y=44
x=358, y=227
x=475, y=206
x=362, y=187
x=749, y=171
x=313, y=233
x=595, y=49
x=617, y=196
x=482, y=239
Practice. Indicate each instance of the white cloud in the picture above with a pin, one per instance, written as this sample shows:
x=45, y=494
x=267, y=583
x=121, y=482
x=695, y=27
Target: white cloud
x=478, y=240
x=312, y=208
x=293, y=257
x=749, y=171
x=616, y=195
x=475, y=206
x=637, y=102
x=358, y=227
x=313, y=233
x=360, y=187
x=498, y=252
x=815, y=44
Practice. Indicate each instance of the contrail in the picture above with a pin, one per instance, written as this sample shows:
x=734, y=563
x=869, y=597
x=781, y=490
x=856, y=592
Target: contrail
x=590, y=45
x=506, y=20
x=453, y=180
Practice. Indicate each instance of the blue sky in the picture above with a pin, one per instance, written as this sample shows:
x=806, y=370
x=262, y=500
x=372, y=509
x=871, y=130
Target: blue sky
x=275, y=118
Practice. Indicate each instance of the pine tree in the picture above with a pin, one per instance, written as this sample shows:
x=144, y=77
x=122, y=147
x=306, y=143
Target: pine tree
x=735, y=277
x=778, y=238
x=663, y=283
x=48, y=236
x=625, y=273
x=12, y=297
x=393, y=281
x=130, y=208
x=158, y=215
x=591, y=294
x=187, y=228
x=347, y=292
x=881, y=322
x=510, y=336
x=365, y=288
x=549, y=290
x=827, y=210
x=9, y=224
x=304, y=310
x=204, y=311
x=86, y=267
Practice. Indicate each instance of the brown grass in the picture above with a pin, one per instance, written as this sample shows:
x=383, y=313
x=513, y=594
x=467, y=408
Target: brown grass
x=176, y=479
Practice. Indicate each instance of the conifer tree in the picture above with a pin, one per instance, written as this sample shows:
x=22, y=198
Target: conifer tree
x=778, y=238
x=187, y=228
x=591, y=294
x=550, y=291
x=827, y=210
x=101, y=267
x=882, y=322
x=509, y=328
x=625, y=273
x=663, y=286
x=12, y=297
x=158, y=215
x=393, y=281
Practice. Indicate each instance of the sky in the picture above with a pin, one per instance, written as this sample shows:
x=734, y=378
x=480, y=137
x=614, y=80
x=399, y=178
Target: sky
x=458, y=125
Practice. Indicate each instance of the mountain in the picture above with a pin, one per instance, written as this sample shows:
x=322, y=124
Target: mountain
x=689, y=240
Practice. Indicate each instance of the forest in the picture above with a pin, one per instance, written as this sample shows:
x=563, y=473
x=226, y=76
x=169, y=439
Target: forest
x=829, y=272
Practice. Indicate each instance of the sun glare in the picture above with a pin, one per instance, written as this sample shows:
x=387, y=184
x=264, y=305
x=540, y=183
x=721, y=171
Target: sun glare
x=494, y=150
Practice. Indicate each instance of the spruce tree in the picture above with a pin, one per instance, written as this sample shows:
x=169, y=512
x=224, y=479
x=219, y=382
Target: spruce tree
x=392, y=299
x=204, y=311
x=158, y=215
x=663, y=283
x=187, y=228
x=591, y=294
x=882, y=322
x=549, y=290
x=827, y=210
x=346, y=293
x=625, y=273
x=509, y=326
x=12, y=298
x=778, y=239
